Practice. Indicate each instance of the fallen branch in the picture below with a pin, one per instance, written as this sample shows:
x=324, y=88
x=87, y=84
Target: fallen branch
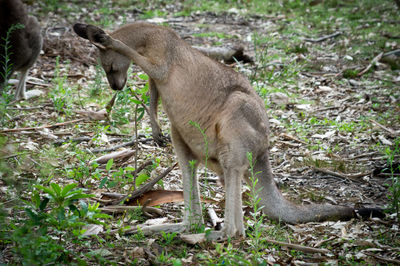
x=110, y=104
x=323, y=38
x=394, y=52
x=41, y=127
x=373, y=62
x=299, y=247
x=112, y=209
x=287, y=136
x=392, y=132
x=130, y=143
x=152, y=229
x=119, y=155
x=381, y=258
x=75, y=140
x=145, y=187
x=353, y=177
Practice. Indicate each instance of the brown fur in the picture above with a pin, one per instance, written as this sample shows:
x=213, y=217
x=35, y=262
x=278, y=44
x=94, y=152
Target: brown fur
x=196, y=88
x=25, y=43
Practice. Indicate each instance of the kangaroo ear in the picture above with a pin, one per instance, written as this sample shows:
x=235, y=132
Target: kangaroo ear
x=94, y=34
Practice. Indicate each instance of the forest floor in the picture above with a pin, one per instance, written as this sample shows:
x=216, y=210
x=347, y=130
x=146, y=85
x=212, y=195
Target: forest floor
x=331, y=90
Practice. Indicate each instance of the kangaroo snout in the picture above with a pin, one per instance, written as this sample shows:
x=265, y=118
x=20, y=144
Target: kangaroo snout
x=116, y=84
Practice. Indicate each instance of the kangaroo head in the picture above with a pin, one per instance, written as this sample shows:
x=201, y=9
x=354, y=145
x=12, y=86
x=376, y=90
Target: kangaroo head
x=114, y=64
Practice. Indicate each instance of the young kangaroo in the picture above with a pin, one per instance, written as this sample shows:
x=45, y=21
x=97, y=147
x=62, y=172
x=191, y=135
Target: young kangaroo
x=25, y=43
x=194, y=87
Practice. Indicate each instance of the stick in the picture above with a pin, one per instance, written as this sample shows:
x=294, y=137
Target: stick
x=41, y=127
x=373, y=62
x=118, y=155
x=299, y=247
x=147, y=186
x=110, y=104
x=387, y=260
x=389, y=130
x=287, y=136
x=323, y=38
x=395, y=52
x=119, y=209
x=130, y=143
x=343, y=176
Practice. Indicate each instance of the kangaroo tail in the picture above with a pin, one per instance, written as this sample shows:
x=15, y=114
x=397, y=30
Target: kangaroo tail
x=276, y=207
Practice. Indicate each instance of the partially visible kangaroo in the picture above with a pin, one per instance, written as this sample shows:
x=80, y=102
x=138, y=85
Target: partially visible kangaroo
x=25, y=43
x=194, y=87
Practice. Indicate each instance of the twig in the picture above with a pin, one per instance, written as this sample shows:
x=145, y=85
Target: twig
x=395, y=52
x=373, y=62
x=286, y=136
x=118, y=155
x=389, y=130
x=354, y=177
x=387, y=260
x=41, y=127
x=76, y=140
x=323, y=38
x=299, y=247
x=363, y=155
x=147, y=186
x=119, y=209
x=130, y=143
x=110, y=104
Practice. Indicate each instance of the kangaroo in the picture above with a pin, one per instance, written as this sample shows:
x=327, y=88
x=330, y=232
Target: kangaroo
x=25, y=43
x=193, y=87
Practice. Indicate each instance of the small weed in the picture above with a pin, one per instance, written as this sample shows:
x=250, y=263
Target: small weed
x=350, y=73
x=51, y=222
x=6, y=71
x=61, y=92
x=219, y=35
x=168, y=238
x=394, y=169
x=256, y=219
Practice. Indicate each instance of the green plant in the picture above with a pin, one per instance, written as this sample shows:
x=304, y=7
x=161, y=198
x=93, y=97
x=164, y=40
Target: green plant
x=98, y=84
x=168, y=238
x=255, y=221
x=163, y=257
x=122, y=176
x=61, y=93
x=194, y=226
x=5, y=70
x=51, y=222
x=394, y=169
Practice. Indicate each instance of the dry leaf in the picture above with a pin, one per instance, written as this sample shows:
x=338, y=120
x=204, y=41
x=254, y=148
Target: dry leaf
x=92, y=229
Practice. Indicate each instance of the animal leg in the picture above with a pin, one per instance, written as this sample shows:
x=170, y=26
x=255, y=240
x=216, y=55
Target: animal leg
x=191, y=195
x=20, y=94
x=155, y=127
x=233, y=201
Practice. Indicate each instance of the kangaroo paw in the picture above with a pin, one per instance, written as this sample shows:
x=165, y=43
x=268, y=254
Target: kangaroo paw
x=161, y=139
